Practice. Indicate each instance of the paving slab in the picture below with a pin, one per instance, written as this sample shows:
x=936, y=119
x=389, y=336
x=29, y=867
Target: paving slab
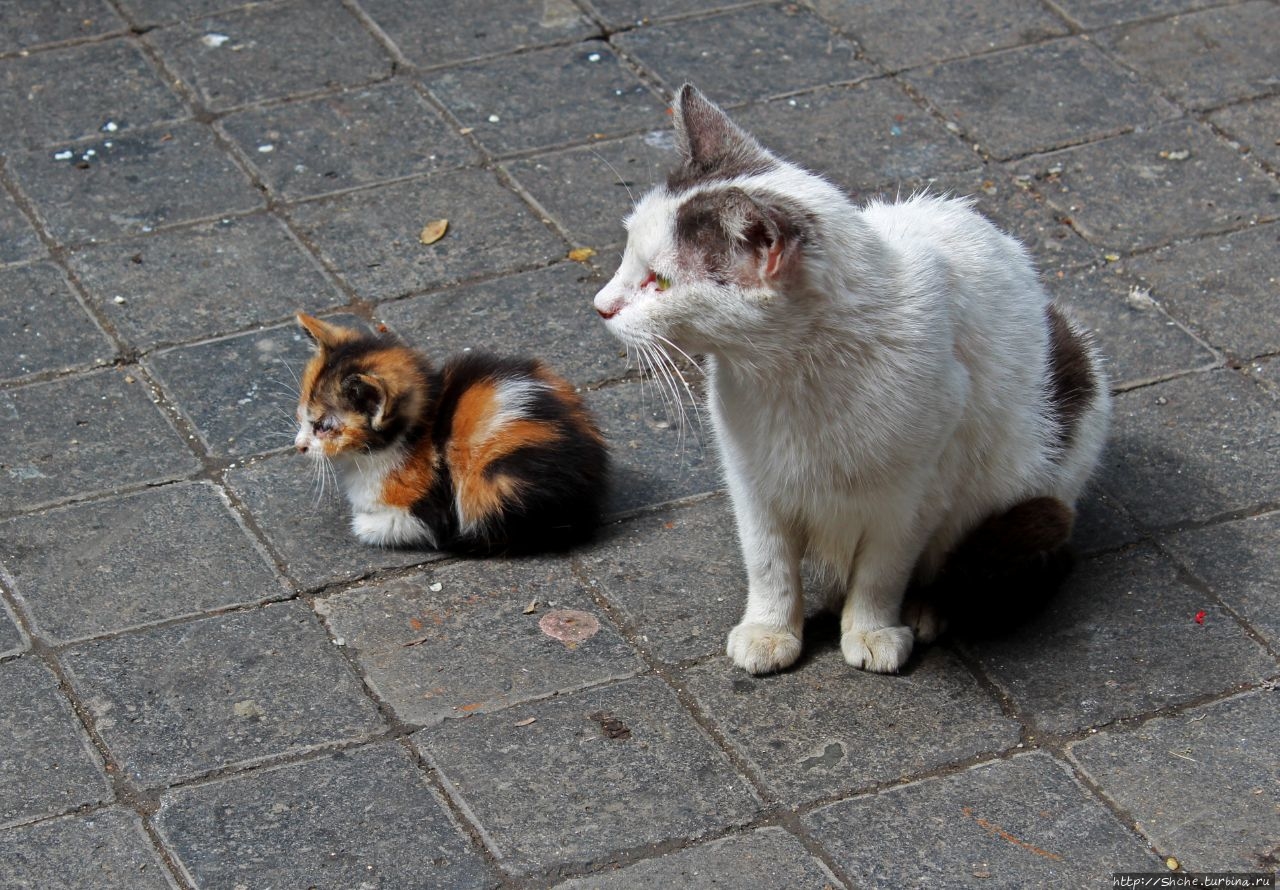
x=904, y=35
x=42, y=325
x=859, y=135
x=765, y=859
x=1039, y=97
x=109, y=848
x=1185, y=54
x=1239, y=562
x=178, y=701
x=1254, y=125
x=568, y=93
x=91, y=569
x=359, y=818
x=657, y=457
x=824, y=727
x=475, y=636
x=589, y=191
x=621, y=15
x=1194, y=448
x=240, y=392
x=90, y=191
x=747, y=54
x=597, y=772
x=1178, y=178
x=1093, y=14
x=457, y=31
x=1201, y=784
x=307, y=523
x=1137, y=337
x=45, y=99
x=156, y=12
x=243, y=55
x=1119, y=640
x=546, y=313
x=18, y=240
x=29, y=25
x=371, y=237
x=202, y=281
x=1101, y=523
x=1224, y=288
x=675, y=577
x=106, y=433
x=47, y=763
x=12, y=639
x=1024, y=822
x=347, y=139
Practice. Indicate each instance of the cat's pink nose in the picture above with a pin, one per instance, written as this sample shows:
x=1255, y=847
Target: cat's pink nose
x=302, y=448
x=606, y=306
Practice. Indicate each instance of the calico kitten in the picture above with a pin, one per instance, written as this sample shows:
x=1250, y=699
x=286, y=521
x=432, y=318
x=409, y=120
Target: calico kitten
x=889, y=384
x=484, y=454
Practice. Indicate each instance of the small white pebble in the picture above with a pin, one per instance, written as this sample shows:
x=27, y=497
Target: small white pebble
x=214, y=40
x=339, y=641
x=435, y=587
x=119, y=300
x=493, y=118
x=594, y=57
x=110, y=127
x=267, y=148
x=63, y=156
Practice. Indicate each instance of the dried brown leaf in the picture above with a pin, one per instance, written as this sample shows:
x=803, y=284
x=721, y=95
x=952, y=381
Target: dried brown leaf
x=433, y=231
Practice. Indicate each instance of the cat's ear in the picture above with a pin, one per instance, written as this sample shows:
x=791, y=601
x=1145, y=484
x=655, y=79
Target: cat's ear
x=710, y=144
x=324, y=334
x=370, y=395
x=769, y=234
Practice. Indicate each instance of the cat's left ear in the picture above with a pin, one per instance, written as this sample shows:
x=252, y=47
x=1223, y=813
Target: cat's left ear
x=370, y=396
x=325, y=335
x=772, y=230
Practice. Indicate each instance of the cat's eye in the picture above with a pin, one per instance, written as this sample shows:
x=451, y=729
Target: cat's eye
x=661, y=282
x=326, y=424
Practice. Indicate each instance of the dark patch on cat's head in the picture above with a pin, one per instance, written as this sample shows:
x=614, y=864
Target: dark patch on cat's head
x=712, y=147
x=720, y=228
x=1071, y=378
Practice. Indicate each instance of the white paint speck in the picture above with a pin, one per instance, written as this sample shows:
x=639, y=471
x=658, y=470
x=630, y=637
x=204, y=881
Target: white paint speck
x=435, y=587
x=110, y=127
x=594, y=57
x=64, y=156
x=493, y=118
x=267, y=148
x=118, y=300
x=214, y=40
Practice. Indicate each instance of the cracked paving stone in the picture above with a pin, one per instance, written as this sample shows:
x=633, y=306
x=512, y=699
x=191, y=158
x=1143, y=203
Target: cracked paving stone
x=90, y=191
x=89, y=569
x=47, y=763
x=907, y=34
x=371, y=237
x=467, y=638
x=105, y=434
x=351, y=139
x=1254, y=125
x=1193, y=448
x=596, y=772
x=747, y=54
x=1201, y=784
x=1241, y=562
x=824, y=727
x=565, y=94
x=43, y=327
x=765, y=859
x=109, y=848
x=77, y=92
x=178, y=701
x=307, y=522
x=253, y=54
x=675, y=576
x=1119, y=640
x=658, y=455
x=359, y=818
x=1023, y=822
x=495, y=317
x=1180, y=181
x=1226, y=288
x=1040, y=97
x=210, y=279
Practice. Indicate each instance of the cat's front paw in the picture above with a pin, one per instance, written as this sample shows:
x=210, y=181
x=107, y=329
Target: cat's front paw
x=883, y=650
x=761, y=649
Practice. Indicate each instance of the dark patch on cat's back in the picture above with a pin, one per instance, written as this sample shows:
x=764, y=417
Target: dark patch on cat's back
x=1071, y=380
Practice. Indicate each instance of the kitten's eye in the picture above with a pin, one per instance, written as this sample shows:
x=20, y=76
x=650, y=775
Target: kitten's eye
x=661, y=282
x=325, y=425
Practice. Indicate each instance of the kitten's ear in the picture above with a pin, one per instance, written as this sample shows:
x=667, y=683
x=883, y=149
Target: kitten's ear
x=710, y=143
x=324, y=334
x=369, y=395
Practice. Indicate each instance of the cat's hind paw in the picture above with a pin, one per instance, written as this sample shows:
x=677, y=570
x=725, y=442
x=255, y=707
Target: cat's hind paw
x=761, y=649
x=924, y=620
x=883, y=650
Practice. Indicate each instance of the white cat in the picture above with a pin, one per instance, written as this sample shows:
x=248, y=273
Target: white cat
x=885, y=382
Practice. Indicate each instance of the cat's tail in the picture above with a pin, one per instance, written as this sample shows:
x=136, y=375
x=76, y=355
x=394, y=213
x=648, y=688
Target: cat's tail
x=1005, y=571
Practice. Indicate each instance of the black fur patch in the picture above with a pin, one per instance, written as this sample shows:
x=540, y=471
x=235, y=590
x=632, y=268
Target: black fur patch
x=718, y=224
x=1072, y=384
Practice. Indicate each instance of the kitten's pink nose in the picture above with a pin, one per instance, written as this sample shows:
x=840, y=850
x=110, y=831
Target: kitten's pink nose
x=302, y=449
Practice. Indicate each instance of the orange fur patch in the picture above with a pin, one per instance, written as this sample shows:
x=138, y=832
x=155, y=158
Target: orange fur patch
x=405, y=485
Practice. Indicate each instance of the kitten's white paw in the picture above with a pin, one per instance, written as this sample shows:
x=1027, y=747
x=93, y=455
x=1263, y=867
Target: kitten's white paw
x=760, y=649
x=884, y=650
x=390, y=528
x=924, y=620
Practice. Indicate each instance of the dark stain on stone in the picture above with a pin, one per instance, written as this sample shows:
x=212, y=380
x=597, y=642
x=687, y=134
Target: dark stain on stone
x=612, y=726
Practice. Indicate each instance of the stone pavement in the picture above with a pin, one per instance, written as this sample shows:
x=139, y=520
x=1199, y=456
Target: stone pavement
x=205, y=683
